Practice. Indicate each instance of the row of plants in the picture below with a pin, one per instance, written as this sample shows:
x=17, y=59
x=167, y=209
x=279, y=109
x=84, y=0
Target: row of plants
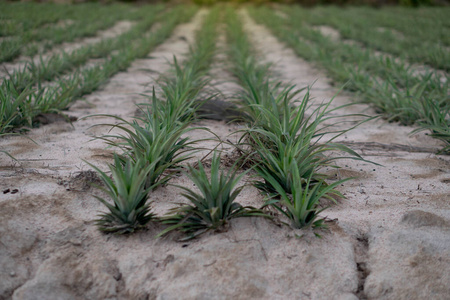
x=427, y=23
x=47, y=69
x=19, y=17
x=287, y=141
x=428, y=44
x=213, y=205
x=338, y=55
x=19, y=107
x=88, y=21
x=390, y=85
x=154, y=146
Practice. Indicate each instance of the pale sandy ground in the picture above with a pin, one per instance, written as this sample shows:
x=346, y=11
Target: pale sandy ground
x=390, y=238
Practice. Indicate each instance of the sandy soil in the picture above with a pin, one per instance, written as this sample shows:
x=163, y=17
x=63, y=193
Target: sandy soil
x=387, y=240
x=329, y=32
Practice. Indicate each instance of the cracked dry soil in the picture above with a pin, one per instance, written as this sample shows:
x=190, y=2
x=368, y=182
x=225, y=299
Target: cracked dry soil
x=389, y=238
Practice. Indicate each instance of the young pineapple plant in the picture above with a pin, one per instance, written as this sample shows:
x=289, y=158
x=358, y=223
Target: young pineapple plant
x=16, y=106
x=436, y=119
x=287, y=137
x=301, y=206
x=156, y=138
x=129, y=209
x=213, y=206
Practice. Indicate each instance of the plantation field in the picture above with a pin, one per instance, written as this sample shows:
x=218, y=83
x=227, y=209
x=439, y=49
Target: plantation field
x=224, y=152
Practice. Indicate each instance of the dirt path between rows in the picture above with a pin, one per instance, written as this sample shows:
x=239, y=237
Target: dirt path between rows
x=391, y=233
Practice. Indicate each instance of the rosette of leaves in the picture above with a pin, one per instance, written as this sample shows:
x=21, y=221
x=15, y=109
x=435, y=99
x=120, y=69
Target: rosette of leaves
x=213, y=206
x=436, y=119
x=286, y=137
x=129, y=209
x=156, y=138
x=301, y=206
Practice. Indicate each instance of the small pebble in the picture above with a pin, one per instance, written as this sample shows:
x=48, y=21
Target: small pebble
x=75, y=242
